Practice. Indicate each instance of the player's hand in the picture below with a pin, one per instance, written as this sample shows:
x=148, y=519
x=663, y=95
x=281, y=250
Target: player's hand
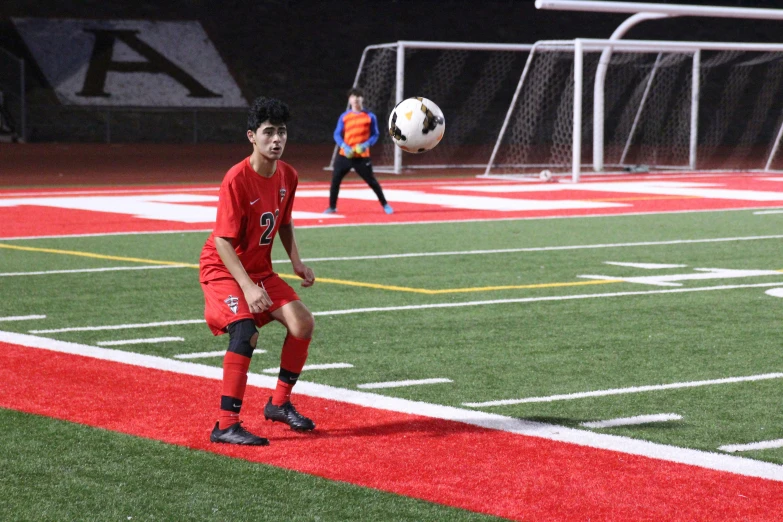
x=257, y=299
x=306, y=273
x=348, y=151
x=358, y=149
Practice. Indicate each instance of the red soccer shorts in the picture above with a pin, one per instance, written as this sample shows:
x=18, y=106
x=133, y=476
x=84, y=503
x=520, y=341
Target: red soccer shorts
x=224, y=302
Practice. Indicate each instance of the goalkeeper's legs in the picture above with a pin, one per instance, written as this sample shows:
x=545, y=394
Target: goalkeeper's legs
x=363, y=167
x=342, y=166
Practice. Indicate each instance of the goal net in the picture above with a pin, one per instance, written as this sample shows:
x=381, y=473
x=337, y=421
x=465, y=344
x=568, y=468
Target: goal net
x=588, y=106
x=472, y=84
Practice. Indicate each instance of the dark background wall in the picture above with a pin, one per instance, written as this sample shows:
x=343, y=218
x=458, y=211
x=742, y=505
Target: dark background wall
x=306, y=52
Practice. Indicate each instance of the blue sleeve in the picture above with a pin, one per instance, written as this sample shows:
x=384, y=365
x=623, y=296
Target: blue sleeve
x=374, y=134
x=338, y=132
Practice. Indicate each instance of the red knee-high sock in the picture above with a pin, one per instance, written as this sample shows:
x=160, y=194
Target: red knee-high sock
x=234, y=382
x=292, y=360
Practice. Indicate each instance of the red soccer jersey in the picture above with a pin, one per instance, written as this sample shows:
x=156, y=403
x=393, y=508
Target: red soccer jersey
x=250, y=210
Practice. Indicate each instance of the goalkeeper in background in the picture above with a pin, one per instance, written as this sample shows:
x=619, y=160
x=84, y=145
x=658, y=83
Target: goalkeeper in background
x=356, y=132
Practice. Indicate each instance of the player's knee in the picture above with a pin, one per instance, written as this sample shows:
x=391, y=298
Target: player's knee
x=243, y=337
x=304, y=325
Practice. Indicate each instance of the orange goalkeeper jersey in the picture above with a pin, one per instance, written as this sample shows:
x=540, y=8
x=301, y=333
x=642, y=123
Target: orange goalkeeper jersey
x=356, y=128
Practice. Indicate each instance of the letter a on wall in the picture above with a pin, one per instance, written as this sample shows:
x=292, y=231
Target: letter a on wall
x=130, y=63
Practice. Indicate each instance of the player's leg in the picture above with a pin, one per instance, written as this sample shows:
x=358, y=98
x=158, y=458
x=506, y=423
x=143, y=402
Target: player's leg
x=363, y=167
x=298, y=321
x=227, y=311
x=342, y=166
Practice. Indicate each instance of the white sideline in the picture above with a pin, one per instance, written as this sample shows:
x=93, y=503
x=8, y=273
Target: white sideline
x=632, y=421
x=715, y=461
x=765, y=444
x=623, y=391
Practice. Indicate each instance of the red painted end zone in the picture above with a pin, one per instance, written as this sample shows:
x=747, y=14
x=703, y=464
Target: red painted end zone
x=37, y=218
x=503, y=474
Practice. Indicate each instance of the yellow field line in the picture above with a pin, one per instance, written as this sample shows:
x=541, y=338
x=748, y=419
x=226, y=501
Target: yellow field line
x=320, y=279
x=96, y=256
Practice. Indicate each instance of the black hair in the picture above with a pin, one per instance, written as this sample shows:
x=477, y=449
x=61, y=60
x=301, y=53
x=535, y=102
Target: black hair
x=355, y=90
x=264, y=109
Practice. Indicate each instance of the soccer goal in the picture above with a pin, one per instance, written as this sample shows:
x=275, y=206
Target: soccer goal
x=472, y=83
x=589, y=105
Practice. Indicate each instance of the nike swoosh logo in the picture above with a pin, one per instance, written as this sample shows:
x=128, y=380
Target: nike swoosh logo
x=254, y=201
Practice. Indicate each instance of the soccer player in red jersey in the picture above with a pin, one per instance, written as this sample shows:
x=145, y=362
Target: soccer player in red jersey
x=356, y=132
x=241, y=291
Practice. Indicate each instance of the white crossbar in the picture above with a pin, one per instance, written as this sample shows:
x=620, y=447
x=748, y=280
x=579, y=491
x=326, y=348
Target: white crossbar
x=667, y=9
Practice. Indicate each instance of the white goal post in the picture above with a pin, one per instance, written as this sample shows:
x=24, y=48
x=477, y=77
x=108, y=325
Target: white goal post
x=472, y=83
x=668, y=105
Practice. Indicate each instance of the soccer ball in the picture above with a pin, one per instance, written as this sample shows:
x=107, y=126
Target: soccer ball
x=416, y=125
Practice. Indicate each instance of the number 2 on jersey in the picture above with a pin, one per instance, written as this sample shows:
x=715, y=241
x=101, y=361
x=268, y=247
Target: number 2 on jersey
x=268, y=221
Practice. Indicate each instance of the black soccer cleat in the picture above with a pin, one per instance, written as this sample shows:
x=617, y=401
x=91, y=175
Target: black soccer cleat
x=288, y=414
x=236, y=434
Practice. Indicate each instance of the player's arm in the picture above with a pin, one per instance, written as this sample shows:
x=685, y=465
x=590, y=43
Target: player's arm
x=374, y=134
x=338, y=137
x=288, y=238
x=257, y=298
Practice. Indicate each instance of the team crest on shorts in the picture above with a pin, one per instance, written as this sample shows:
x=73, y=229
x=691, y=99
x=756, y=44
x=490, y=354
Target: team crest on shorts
x=282, y=194
x=232, y=302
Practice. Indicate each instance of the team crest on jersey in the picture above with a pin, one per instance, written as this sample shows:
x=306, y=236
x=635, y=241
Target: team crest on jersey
x=232, y=302
x=282, y=194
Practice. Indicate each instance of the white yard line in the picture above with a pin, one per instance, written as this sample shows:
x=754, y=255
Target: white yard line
x=89, y=270
x=63, y=193
x=632, y=421
x=117, y=326
x=401, y=384
x=401, y=223
x=22, y=317
x=422, y=307
x=325, y=366
x=539, y=299
x=623, y=391
x=766, y=444
x=456, y=252
x=715, y=461
x=207, y=355
x=539, y=249
x=141, y=341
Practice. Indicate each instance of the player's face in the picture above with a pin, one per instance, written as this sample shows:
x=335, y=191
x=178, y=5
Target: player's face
x=269, y=139
x=355, y=102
